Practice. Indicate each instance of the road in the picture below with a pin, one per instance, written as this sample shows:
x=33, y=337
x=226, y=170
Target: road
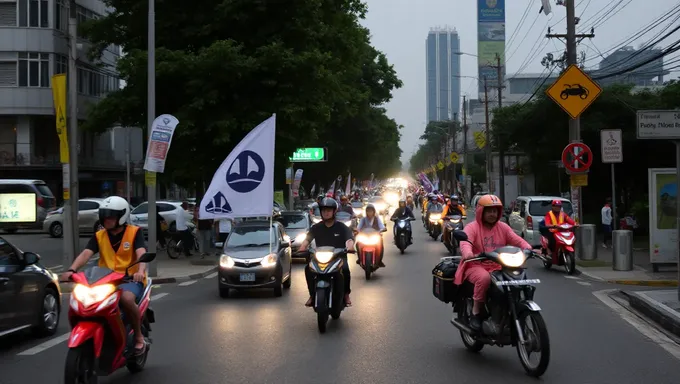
x=396, y=332
x=49, y=249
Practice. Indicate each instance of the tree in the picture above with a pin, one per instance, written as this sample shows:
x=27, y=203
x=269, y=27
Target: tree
x=435, y=133
x=227, y=65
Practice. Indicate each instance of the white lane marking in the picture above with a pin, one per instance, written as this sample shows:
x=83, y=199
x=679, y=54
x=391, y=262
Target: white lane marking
x=58, y=267
x=592, y=276
x=187, y=283
x=44, y=346
x=583, y=283
x=158, y=296
x=210, y=276
x=642, y=326
x=571, y=277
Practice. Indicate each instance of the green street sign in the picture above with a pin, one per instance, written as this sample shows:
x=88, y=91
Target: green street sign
x=309, y=155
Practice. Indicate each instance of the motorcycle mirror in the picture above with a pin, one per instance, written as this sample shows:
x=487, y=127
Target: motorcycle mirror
x=460, y=235
x=146, y=258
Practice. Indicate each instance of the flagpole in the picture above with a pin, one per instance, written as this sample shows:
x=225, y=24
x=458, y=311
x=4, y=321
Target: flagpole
x=271, y=224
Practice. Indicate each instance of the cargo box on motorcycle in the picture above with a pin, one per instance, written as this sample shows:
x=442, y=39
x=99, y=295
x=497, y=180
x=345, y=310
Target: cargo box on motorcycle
x=442, y=279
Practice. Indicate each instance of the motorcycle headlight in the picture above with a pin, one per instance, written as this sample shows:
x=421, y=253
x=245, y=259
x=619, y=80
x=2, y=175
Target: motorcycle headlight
x=269, y=260
x=401, y=224
x=512, y=260
x=300, y=238
x=379, y=207
x=348, y=223
x=455, y=221
x=323, y=257
x=435, y=217
x=368, y=240
x=226, y=262
x=91, y=295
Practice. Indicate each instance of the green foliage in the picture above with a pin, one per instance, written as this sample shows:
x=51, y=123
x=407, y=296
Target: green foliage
x=540, y=129
x=224, y=66
x=435, y=133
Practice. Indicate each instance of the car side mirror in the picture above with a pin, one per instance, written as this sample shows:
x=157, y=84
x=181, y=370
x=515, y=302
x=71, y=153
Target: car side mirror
x=31, y=258
x=284, y=244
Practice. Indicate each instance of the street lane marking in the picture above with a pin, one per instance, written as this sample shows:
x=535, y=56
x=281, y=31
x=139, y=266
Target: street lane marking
x=187, y=283
x=210, y=276
x=158, y=296
x=44, y=346
x=642, y=326
x=583, y=282
x=572, y=277
x=592, y=276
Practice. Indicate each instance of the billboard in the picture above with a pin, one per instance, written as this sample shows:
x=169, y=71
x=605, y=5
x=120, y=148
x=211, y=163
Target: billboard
x=490, y=41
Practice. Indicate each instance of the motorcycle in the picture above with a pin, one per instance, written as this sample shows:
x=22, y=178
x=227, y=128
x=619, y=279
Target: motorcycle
x=435, y=224
x=369, y=246
x=510, y=309
x=402, y=238
x=329, y=287
x=563, y=253
x=100, y=341
x=452, y=223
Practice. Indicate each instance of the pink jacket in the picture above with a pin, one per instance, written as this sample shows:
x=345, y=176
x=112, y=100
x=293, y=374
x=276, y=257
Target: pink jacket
x=485, y=239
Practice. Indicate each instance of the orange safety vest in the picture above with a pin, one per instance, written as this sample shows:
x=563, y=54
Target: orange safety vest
x=556, y=220
x=118, y=260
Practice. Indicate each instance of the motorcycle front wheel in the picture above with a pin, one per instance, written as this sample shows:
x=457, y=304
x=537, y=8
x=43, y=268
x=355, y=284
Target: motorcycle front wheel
x=569, y=262
x=79, y=368
x=536, y=340
x=321, y=311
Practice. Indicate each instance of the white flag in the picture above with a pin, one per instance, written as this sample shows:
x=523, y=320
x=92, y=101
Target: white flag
x=347, y=187
x=243, y=185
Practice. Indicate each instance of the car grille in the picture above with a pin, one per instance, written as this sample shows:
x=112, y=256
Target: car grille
x=241, y=264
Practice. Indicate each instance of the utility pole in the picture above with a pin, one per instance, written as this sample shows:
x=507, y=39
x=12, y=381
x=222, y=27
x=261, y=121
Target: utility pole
x=488, y=135
x=127, y=164
x=574, y=124
x=501, y=151
x=71, y=235
x=452, y=138
x=465, y=148
x=150, y=117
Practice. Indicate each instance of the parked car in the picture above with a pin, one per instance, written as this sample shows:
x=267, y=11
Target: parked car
x=29, y=293
x=296, y=225
x=44, y=202
x=88, y=218
x=257, y=254
x=528, y=211
x=169, y=210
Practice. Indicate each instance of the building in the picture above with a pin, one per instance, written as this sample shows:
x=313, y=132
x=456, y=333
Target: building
x=442, y=57
x=33, y=48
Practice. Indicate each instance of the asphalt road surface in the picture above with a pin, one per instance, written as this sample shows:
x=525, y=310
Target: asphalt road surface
x=396, y=332
x=49, y=249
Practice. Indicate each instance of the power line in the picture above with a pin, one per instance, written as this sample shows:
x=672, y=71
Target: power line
x=595, y=16
x=668, y=50
x=530, y=56
x=519, y=26
x=612, y=15
x=539, y=87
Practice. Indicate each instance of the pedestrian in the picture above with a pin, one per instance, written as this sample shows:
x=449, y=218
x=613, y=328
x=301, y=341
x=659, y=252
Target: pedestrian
x=607, y=220
x=223, y=227
x=204, y=233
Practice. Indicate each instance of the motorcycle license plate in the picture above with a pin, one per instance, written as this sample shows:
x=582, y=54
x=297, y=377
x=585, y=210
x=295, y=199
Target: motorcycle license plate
x=247, y=277
x=519, y=282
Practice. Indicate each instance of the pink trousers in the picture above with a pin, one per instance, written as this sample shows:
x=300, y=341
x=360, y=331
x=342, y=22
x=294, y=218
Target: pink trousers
x=480, y=277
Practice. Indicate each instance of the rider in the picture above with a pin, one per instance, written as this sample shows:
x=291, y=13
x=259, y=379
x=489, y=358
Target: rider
x=314, y=208
x=119, y=245
x=453, y=207
x=329, y=233
x=345, y=206
x=403, y=212
x=409, y=202
x=553, y=218
x=487, y=234
x=371, y=220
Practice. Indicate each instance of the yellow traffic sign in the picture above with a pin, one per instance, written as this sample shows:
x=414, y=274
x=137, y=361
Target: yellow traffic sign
x=579, y=180
x=574, y=91
x=440, y=165
x=480, y=139
x=454, y=157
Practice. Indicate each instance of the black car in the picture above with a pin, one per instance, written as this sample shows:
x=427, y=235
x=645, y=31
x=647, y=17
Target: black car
x=256, y=254
x=29, y=293
x=296, y=225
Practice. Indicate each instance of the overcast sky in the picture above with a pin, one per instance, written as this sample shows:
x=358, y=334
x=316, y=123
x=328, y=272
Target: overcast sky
x=400, y=27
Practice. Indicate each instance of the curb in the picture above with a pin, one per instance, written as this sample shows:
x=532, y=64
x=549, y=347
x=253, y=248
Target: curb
x=646, y=283
x=655, y=311
x=180, y=279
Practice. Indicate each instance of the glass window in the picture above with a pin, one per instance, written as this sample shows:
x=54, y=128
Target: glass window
x=34, y=70
x=87, y=205
x=45, y=73
x=250, y=236
x=33, y=73
x=294, y=221
x=7, y=254
x=33, y=13
x=44, y=190
x=141, y=208
x=163, y=207
x=23, y=13
x=44, y=14
x=23, y=73
x=541, y=208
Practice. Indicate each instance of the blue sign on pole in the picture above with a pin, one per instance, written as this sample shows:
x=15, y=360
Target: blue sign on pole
x=491, y=10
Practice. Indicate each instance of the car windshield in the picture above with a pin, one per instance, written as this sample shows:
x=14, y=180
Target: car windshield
x=140, y=209
x=250, y=236
x=343, y=216
x=357, y=204
x=541, y=208
x=294, y=221
x=378, y=200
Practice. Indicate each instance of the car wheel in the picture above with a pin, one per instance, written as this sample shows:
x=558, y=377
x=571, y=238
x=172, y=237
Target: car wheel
x=278, y=288
x=287, y=283
x=224, y=291
x=56, y=229
x=48, y=315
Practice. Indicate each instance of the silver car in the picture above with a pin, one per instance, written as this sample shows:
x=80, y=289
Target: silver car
x=529, y=211
x=88, y=218
x=257, y=254
x=296, y=225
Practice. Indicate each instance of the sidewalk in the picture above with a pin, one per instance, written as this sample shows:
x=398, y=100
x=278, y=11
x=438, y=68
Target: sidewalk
x=662, y=306
x=601, y=269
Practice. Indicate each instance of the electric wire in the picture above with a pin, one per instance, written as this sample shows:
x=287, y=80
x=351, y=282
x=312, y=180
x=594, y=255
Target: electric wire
x=519, y=27
x=597, y=24
x=668, y=50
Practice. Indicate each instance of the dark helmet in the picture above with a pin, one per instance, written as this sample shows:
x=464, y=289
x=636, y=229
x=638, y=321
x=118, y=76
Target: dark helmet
x=328, y=202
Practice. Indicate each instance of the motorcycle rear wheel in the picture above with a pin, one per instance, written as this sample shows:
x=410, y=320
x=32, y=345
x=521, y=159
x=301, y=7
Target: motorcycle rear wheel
x=79, y=367
x=172, y=249
x=464, y=312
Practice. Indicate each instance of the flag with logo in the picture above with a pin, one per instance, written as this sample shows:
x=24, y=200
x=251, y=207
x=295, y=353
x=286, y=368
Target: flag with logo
x=348, y=186
x=243, y=185
x=296, y=183
x=59, y=98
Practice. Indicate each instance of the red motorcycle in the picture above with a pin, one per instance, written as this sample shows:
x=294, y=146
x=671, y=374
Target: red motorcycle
x=100, y=341
x=563, y=253
x=369, y=249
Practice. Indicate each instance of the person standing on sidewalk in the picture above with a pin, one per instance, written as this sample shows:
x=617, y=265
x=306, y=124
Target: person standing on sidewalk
x=204, y=233
x=222, y=227
x=607, y=223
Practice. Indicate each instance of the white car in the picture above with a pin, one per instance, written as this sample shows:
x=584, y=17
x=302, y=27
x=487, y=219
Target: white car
x=527, y=213
x=169, y=210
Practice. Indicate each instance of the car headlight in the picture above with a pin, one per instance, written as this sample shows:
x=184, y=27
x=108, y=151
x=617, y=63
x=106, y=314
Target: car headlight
x=512, y=260
x=348, y=223
x=368, y=240
x=91, y=295
x=300, y=238
x=226, y=262
x=379, y=207
x=323, y=257
x=269, y=260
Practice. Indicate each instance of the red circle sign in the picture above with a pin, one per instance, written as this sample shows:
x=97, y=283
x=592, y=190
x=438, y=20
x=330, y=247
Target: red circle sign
x=577, y=157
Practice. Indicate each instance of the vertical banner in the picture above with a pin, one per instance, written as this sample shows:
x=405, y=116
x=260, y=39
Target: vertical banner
x=161, y=136
x=348, y=187
x=296, y=182
x=490, y=41
x=59, y=97
x=663, y=197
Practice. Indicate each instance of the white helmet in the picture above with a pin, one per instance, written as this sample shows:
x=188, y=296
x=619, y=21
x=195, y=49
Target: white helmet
x=114, y=206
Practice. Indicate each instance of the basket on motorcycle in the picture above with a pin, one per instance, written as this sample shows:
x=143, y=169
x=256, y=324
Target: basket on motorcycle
x=442, y=279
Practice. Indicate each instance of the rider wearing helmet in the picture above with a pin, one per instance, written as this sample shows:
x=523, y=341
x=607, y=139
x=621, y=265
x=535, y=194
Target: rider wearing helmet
x=119, y=245
x=453, y=208
x=553, y=218
x=345, y=206
x=329, y=233
x=403, y=212
x=372, y=220
x=487, y=233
